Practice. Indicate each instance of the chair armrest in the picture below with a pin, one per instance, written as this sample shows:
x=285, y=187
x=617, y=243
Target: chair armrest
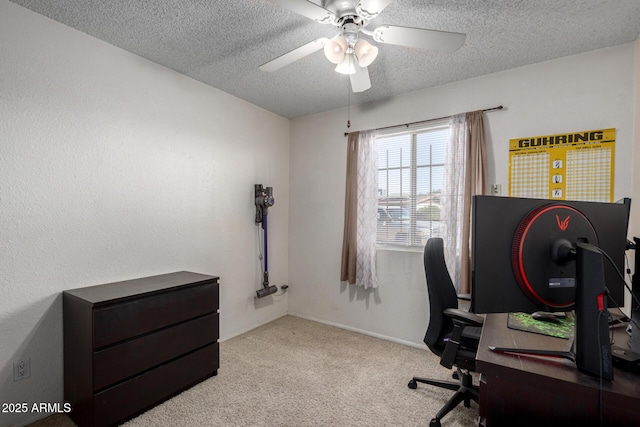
x=466, y=318
x=461, y=319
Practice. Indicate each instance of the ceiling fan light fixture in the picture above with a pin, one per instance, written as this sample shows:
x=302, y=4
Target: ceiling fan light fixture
x=335, y=49
x=348, y=65
x=365, y=52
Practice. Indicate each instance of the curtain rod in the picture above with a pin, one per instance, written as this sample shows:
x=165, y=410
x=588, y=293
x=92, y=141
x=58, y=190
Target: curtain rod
x=499, y=107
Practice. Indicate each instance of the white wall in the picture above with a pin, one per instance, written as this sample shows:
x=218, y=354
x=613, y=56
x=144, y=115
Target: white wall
x=112, y=168
x=582, y=92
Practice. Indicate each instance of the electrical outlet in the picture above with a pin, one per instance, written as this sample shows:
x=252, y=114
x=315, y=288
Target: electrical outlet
x=21, y=370
x=496, y=189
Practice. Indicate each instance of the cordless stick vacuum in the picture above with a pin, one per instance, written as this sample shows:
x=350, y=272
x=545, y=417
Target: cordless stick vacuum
x=264, y=200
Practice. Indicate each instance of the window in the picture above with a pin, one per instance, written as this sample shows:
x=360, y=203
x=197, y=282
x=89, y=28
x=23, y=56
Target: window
x=410, y=182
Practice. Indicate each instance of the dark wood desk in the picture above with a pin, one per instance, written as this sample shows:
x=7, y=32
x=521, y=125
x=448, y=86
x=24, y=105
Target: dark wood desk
x=533, y=391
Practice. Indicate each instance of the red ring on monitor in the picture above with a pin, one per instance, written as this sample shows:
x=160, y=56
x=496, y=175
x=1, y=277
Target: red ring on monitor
x=523, y=230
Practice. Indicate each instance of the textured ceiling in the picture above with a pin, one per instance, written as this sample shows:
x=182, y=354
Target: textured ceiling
x=223, y=42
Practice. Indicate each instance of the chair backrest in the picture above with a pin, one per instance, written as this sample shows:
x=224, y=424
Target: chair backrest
x=442, y=294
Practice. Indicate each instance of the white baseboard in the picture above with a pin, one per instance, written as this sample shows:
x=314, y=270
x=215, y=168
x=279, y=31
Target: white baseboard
x=420, y=346
x=361, y=331
x=250, y=328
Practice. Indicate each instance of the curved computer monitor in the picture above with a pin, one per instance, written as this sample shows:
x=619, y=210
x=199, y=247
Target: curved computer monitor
x=521, y=251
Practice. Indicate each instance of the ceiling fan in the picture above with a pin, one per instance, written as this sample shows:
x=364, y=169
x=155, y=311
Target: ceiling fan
x=349, y=50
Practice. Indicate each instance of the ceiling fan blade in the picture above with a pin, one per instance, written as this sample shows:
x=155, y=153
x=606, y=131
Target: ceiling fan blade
x=294, y=55
x=360, y=79
x=418, y=37
x=369, y=9
x=307, y=9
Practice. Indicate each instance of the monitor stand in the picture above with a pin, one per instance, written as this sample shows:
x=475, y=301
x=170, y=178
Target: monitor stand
x=591, y=349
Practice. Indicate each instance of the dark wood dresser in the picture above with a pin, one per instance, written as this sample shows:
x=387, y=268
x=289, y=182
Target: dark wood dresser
x=131, y=345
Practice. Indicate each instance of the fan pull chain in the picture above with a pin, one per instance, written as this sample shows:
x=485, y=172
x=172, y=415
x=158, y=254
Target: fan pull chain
x=348, y=104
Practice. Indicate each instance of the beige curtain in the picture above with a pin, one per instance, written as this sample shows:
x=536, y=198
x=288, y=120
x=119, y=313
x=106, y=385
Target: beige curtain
x=361, y=205
x=465, y=176
x=349, y=245
x=475, y=183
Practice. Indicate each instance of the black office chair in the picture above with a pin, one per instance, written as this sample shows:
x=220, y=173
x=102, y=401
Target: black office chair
x=452, y=334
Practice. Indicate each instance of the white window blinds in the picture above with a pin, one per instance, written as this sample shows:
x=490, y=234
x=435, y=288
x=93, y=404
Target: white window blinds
x=410, y=181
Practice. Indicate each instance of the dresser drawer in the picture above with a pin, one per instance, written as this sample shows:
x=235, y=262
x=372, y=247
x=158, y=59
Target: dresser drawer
x=138, y=394
x=117, y=363
x=120, y=321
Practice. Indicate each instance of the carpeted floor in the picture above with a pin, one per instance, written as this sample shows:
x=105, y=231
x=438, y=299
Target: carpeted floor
x=294, y=372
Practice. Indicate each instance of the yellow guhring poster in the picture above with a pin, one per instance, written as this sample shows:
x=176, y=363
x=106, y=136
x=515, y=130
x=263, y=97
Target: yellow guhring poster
x=568, y=166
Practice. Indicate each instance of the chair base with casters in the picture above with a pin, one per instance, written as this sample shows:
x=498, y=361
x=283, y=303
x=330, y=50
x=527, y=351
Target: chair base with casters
x=464, y=389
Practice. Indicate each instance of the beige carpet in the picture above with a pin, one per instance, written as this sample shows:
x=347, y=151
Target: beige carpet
x=294, y=372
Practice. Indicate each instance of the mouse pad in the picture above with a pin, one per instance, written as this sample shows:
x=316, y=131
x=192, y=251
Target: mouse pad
x=524, y=322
